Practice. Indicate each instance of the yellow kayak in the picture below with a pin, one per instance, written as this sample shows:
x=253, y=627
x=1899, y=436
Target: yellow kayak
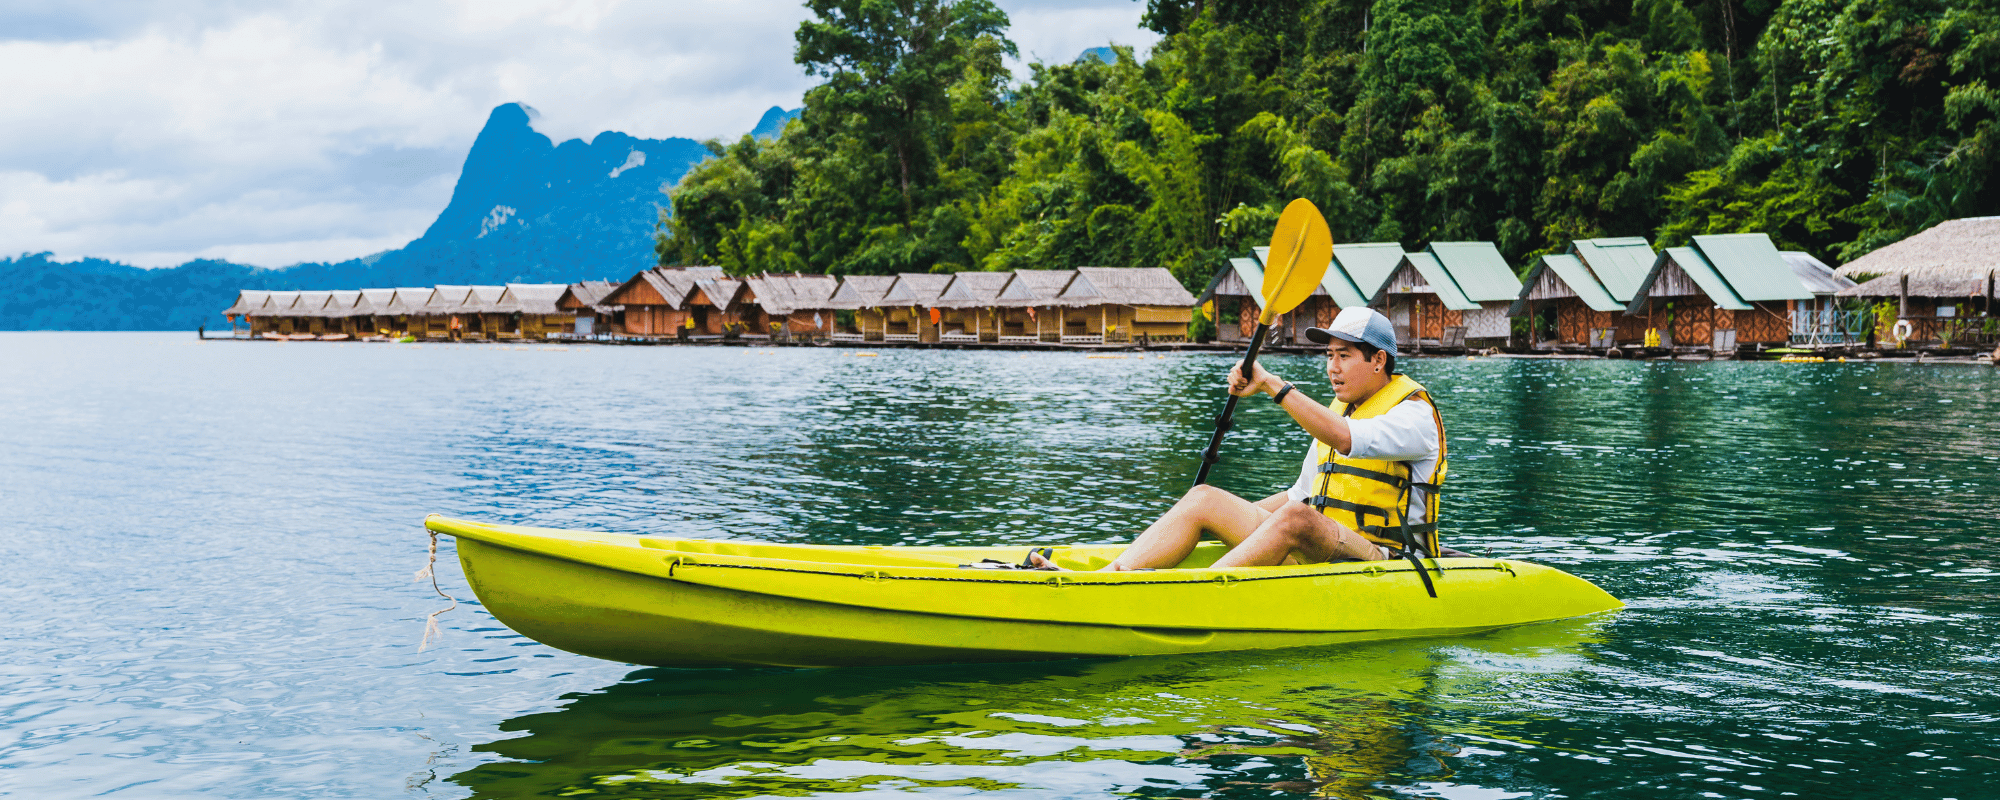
x=696, y=602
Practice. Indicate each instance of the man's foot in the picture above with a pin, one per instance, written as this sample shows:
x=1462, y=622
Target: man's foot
x=1042, y=558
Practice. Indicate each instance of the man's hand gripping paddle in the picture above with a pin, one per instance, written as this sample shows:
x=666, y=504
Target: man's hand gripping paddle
x=1301, y=250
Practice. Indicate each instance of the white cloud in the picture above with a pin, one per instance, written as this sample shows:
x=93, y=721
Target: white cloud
x=153, y=132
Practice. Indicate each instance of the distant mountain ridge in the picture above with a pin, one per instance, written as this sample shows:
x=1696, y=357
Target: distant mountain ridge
x=525, y=210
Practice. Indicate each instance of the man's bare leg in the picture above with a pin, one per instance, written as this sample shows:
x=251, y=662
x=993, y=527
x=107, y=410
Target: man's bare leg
x=1170, y=539
x=1297, y=527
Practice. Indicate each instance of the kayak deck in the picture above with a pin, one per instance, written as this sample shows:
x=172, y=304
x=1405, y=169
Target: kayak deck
x=687, y=602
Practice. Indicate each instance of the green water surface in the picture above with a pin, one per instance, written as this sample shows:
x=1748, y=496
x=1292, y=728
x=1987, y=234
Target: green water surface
x=210, y=548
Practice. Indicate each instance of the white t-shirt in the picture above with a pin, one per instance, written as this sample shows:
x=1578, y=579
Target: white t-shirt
x=1408, y=432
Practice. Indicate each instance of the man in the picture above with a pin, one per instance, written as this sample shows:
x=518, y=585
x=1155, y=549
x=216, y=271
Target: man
x=1367, y=490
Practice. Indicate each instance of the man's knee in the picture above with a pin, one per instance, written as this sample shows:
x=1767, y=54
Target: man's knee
x=1206, y=496
x=1292, y=520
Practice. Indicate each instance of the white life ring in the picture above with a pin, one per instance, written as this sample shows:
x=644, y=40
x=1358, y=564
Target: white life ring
x=1902, y=330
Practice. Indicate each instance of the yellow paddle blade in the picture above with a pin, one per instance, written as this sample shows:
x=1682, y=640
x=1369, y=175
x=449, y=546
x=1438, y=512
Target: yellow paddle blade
x=1301, y=249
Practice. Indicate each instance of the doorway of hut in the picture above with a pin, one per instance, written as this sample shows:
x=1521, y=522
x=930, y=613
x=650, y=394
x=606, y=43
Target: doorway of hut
x=1402, y=316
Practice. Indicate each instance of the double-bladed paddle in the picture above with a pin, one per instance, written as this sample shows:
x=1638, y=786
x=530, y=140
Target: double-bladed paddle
x=1301, y=249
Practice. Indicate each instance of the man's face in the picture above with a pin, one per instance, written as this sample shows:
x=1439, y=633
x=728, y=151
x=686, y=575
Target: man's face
x=1353, y=377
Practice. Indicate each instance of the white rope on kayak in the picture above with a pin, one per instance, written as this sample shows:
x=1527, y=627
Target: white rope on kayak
x=430, y=571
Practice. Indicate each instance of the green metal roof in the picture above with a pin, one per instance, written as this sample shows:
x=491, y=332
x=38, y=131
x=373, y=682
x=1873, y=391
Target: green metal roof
x=1697, y=268
x=1440, y=280
x=1621, y=264
x=1481, y=272
x=1336, y=284
x=1753, y=267
x=1579, y=279
x=1252, y=275
x=1369, y=265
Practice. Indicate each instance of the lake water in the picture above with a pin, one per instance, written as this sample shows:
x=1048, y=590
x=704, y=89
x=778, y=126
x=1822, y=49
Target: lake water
x=207, y=553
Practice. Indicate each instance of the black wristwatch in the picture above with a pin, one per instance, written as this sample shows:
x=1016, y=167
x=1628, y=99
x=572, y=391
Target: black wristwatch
x=1279, y=398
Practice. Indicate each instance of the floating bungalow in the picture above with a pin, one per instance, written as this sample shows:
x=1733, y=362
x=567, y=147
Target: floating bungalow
x=793, y=306
x=1586, y=314
x=1719, y=292
x=584, y=301
x=717, y=308
x=479, y=315
x=407, y=304
x=1452, y=294
x=1108, y=304
x=1585, y=291
x=308, y=314
x=861, y=295
x=1820, y=321
x=528, y=311
x=656, y=302
x=906, y=302
x=1237, y=287
x=377, y=321
x=1337, y=290
x=1485, y=279
x=435, y=315
x=340, y=314
x=968, y=311
x=1422, y=301
x=1942, y=281
x=1025, y=300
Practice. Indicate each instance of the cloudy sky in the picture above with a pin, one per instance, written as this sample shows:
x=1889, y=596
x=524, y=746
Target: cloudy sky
x=156, y=131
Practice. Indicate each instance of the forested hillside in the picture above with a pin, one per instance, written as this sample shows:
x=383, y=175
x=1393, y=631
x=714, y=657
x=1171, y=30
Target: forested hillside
x=1834, y=126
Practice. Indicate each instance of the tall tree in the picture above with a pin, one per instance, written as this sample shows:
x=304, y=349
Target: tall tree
x=889, y=63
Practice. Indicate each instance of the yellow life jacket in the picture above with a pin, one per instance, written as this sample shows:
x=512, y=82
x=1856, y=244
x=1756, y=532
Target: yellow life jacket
x=1372, y=496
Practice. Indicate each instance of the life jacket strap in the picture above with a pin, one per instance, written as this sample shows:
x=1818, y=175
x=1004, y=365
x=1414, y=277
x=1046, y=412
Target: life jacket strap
x=1333, y=468
x=1321, y=503
x=1393, y=532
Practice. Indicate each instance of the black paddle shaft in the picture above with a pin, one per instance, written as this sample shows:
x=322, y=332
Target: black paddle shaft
x=1222, y=422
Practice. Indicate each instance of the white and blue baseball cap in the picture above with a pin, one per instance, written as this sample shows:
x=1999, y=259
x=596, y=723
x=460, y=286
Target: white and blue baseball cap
x=1358, y=324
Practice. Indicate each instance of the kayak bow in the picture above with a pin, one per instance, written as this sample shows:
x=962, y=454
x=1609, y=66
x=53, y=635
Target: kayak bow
x=694, y=602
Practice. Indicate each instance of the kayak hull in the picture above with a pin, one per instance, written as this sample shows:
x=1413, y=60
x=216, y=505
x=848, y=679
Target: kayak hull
x=694, y=603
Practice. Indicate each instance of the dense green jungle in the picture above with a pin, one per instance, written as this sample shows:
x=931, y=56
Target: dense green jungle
x=1836, y=126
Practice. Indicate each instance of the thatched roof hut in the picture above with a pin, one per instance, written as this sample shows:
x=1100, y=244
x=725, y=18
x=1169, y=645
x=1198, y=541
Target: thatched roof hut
x=310, y=304
x=721, y=293
x=446, y=300
x=1125, y=286
x=1955, y=258
x=247, y=301
x=482, y=300
x=529, y=298
x=1032, y=287
x=341, y=303
x=408, y=300
x=973, y=289
x=586, y=294
x=919, y=289
x=781, y=294
x=860, y=291
x=661, y=286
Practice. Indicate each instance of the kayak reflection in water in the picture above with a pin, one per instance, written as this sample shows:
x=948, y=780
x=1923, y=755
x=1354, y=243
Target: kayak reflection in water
x=1358, y=496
